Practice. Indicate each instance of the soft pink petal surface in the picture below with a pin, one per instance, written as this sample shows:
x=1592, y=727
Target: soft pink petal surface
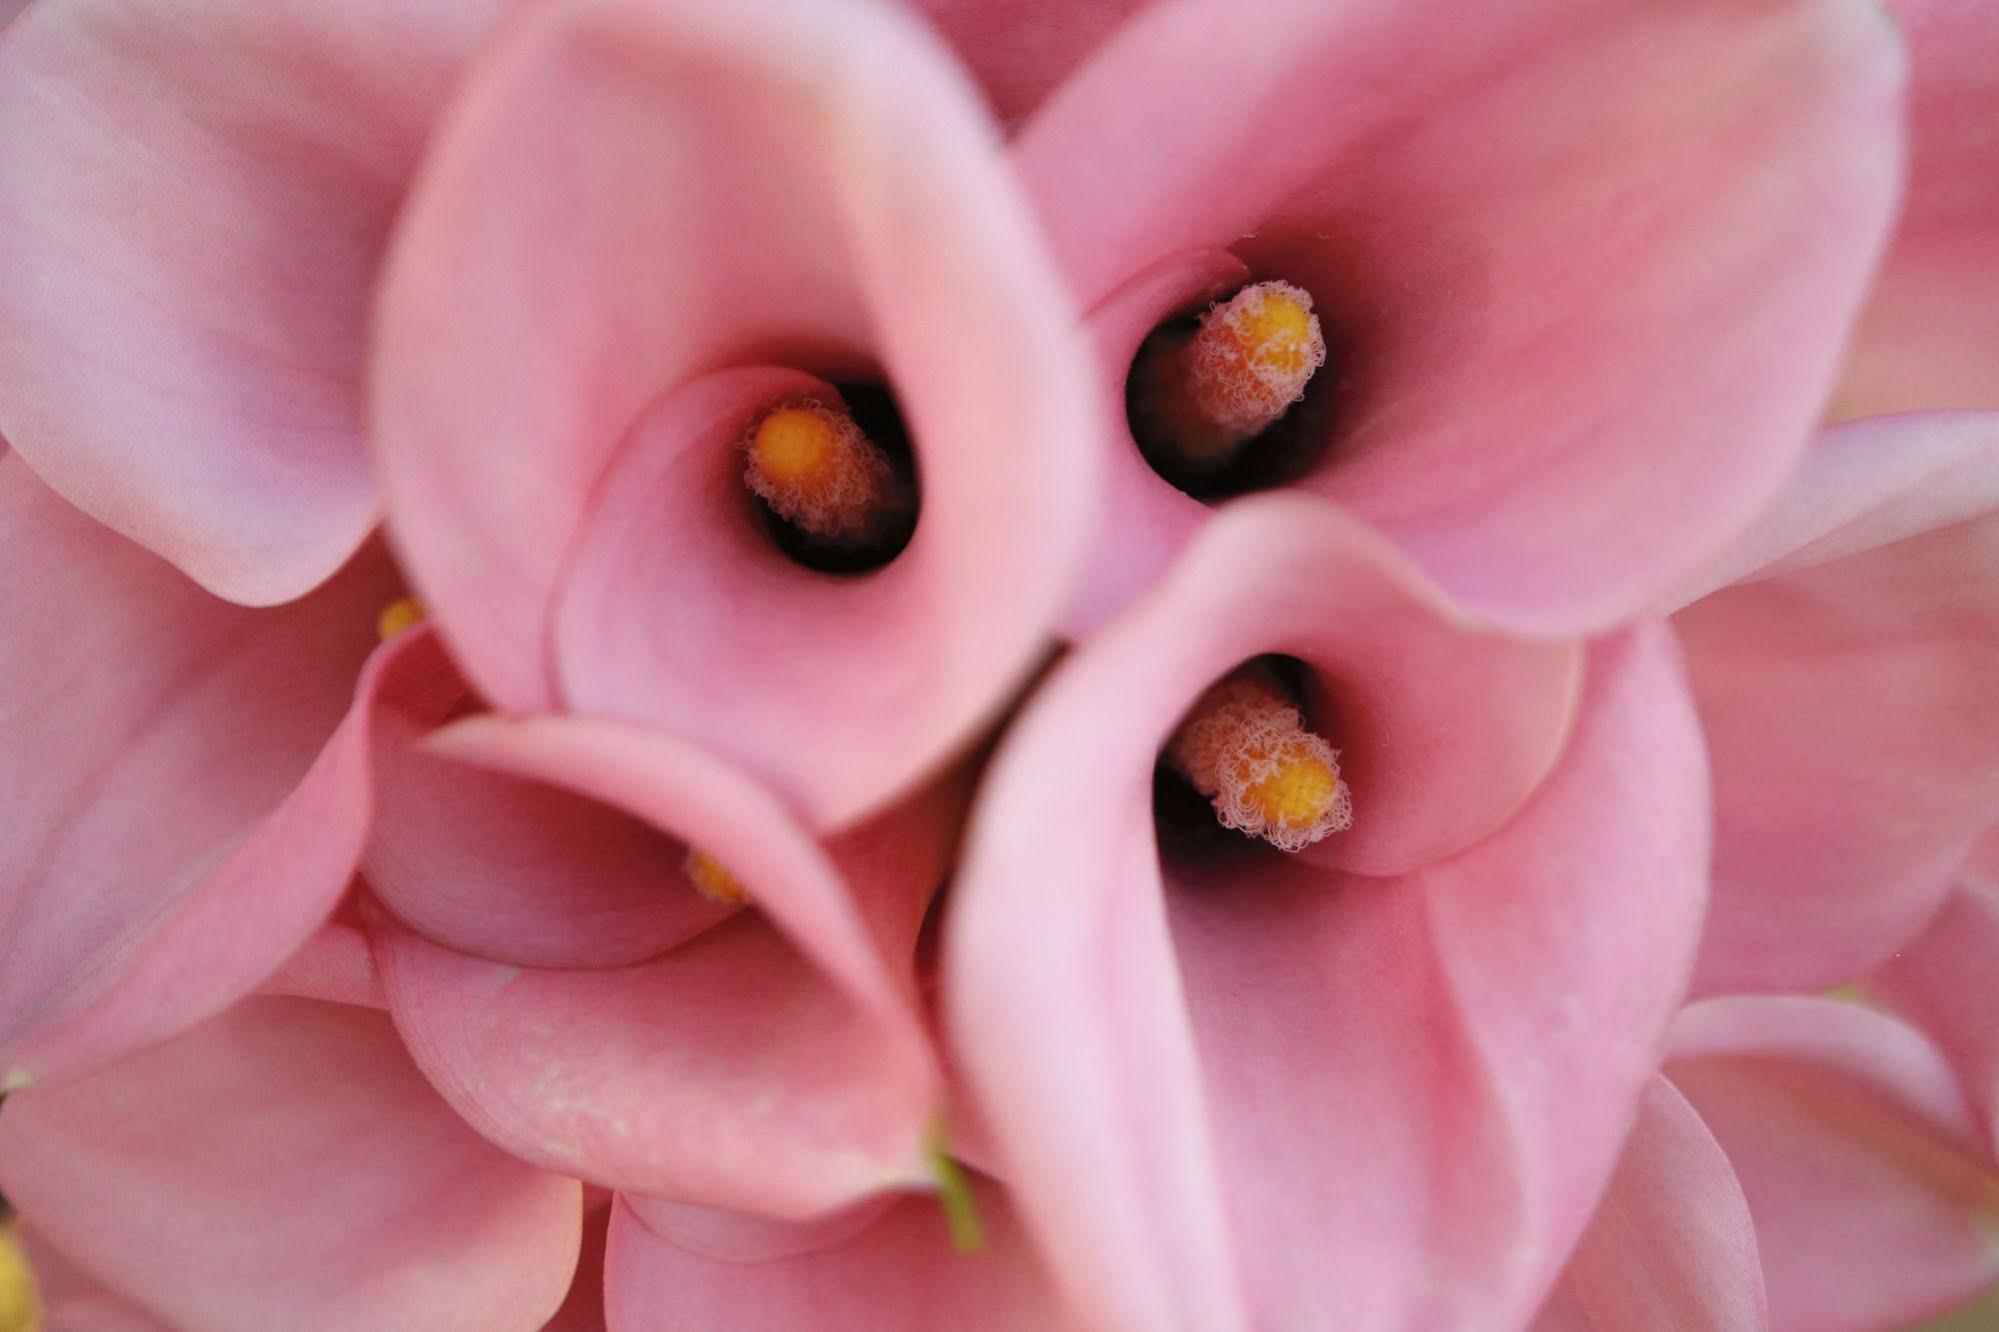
x=744, y=1237
x=1930, y=336
x=181, y=811
x=1020, y=50
x=74, y=1301
x=1671, y=1247
x=1150, y=521
x=501, y=865
x=900, y=1274
x=1849, y=705
x=1419, y=1081
x=773, y=1064
x=334, y=964
x=285, y=1166
x=194, y=206
x=1947, y=983
x=1579, y=348
x=1863, y=485
x=1870, y=1184
x=658, y=191
x=730, y=1072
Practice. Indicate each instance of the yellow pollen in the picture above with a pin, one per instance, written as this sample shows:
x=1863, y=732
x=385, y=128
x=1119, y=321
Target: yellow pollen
x=819, y=471
x=1244, y=745
x=1297, y=793
x=20, y=1310
x=795, y=446
x=400, y=614
x=1251, y=358
x=714, y=882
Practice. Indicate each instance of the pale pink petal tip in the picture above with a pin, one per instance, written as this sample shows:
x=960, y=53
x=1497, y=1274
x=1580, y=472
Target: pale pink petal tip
x=1671, y=1247
x=188, y=246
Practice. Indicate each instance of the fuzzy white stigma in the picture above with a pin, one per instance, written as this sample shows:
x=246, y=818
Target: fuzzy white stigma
x=819, y=471
x=1245, y=746
x=1251, y=358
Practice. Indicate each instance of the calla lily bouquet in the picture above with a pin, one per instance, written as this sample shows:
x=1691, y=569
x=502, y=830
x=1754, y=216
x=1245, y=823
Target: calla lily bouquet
x=1010, y=665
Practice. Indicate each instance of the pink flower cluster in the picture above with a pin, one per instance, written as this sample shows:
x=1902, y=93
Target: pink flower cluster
x=463, y=867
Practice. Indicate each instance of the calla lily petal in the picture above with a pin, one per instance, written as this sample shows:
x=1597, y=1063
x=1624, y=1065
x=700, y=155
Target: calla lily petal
x=193, y=209
x=333, y=1189
x=74, y=1301
x=334, y=964
x=730, y=1072
x=1873, y=1193
x=1944, y=982
x=658, y=1078
x=1577, y=351
x=1671, y=1248
x=1020, y=50
x=1930, y=336
x=742, y=1237
x=499, y=865
x=901, y=1274
x=1864, y=485
x=662, y=191
x=182, y=812
x=1847, y=699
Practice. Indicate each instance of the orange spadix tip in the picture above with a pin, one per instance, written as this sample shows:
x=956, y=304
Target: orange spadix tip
x=818, y=470
x=713, y=881
x=400, y=614
x=796, y=446
x=1297, y=793
x=1252, y=357
x=1245, y=746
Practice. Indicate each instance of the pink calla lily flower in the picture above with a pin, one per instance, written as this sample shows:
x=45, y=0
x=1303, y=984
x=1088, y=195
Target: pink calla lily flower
x=1574, y=349
x=229, y=433
x=640, y=226
x=1412, y=1058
